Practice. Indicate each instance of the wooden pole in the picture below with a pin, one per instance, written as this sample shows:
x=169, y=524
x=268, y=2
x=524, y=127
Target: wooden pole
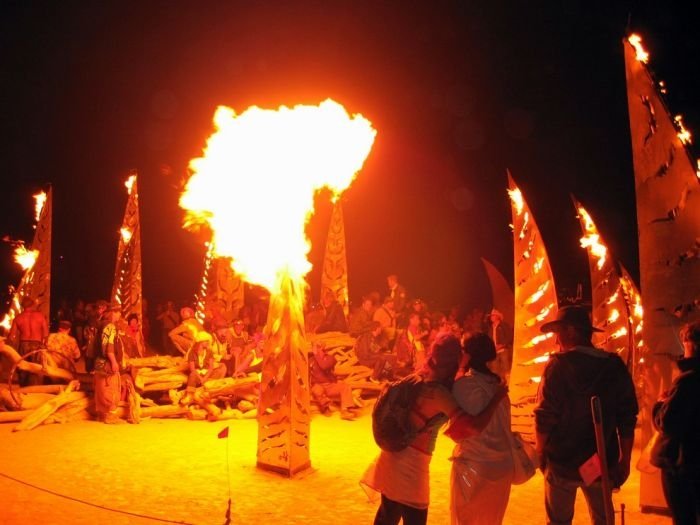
x=597, y=412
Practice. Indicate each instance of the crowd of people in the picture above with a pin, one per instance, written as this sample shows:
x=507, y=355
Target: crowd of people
x=463, y=367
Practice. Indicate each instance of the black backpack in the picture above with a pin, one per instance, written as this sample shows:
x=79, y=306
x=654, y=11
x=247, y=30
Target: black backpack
x=391, y=422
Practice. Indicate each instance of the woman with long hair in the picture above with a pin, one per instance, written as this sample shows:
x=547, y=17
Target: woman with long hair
x=482, y=468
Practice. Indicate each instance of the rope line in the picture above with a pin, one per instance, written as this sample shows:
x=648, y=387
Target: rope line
x=92, y=504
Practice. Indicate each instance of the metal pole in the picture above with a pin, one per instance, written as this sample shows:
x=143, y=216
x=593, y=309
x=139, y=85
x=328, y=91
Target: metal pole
x=602, y=456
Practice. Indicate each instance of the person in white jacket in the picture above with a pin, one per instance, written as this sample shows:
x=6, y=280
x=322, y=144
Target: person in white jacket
x=482, y=464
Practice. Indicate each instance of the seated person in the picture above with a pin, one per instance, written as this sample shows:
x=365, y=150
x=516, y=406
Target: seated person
x=333, y=315
x=244, y=351
x=409, y=348
x=372, y=350
x=64, y=350
x=183, y=335
x=202, y=366
x=324, y=384
x=361, y=320
x=134, y=344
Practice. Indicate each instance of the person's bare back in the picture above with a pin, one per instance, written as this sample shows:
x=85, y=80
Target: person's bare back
x=30, y=325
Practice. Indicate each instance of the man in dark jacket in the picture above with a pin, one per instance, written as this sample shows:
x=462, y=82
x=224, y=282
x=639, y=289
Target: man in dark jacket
x=565, y=436
x=677, y=417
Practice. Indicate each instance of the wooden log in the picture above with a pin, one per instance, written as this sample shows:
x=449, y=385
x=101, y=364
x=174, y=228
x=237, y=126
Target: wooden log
x=40, y=414
x=13, y=416
x=72, y=411
x=226, y=386
x=157, y=361
x=35, y=389
x=155, y=387
x=34, y=368
x=163, y=411
x=22, y=401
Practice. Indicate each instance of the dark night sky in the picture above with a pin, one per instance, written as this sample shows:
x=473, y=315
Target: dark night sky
x=458, y=91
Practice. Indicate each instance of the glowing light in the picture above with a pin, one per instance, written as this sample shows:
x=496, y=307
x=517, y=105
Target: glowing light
x=25, y=258
x=636, y=42
x=697, y=172
x=592, y=240
x=536, y=379
x=126, y=234
x=662, y=86
x=538, y=294
x=523, y=230
x=614, y=316
x=516, y=198
x=129, y=183
x=541, y=359
x=538, y=339
x=275, y=160
x=613, y=297
x=6, y=322
x=39, y=201
x=683, y=134
x=619, y=332
x=641, y=360
x=537, y=265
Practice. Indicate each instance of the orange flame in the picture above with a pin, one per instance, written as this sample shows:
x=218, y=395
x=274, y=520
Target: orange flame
x=538, y=294
x=25, y=258
x=129, y=183
x=39, y=201
x=516, y=198
x=683, y=134
x=641, y=53
x=269, y=164
x=538, y=339
x=592, y=240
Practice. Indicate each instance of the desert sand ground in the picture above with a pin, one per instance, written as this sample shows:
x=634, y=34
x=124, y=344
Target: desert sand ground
x=175, y=470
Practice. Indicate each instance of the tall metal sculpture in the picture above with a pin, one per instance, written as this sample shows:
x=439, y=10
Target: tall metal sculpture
x=535, y=304
x=334, y=277
x=36, y=281
x=667, y=191
x=127, y=286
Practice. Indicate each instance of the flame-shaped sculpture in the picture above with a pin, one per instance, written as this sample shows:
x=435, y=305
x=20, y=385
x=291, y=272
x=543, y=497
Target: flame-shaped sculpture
x=126, y=286
x=535, y=304
x=668, y=218
x=334, y=277
x=36, y=281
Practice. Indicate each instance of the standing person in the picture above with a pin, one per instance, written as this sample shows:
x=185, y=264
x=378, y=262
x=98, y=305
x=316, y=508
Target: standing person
x=385, y=315
x=108, y=367
x=402, y=478
x=397, y=292
x=410, y=347
x=502, y=335
x=677, y=418
x=565, y=435
x=168, y=320
x=98, y=318
x=482, y=468
x=29, y=332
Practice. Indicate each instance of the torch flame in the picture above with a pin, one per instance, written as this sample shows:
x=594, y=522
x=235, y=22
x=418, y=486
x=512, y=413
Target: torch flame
x=683, y=134
x=25, y=258
x=592, y=240
x=129, y=183
x=641, y=53
x=516, y=198
x=268, y=165
x=39, y=201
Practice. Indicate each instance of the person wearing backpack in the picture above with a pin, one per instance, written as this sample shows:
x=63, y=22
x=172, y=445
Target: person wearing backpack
x=419, y=405
x=482, y=465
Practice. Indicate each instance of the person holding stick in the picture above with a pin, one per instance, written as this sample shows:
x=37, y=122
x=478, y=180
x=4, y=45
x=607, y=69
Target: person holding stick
x=565, y=430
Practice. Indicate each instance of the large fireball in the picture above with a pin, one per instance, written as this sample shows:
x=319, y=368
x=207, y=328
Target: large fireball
x=255, y=184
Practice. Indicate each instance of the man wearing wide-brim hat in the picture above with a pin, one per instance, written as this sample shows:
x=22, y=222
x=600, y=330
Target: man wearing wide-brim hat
x=565, y=436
